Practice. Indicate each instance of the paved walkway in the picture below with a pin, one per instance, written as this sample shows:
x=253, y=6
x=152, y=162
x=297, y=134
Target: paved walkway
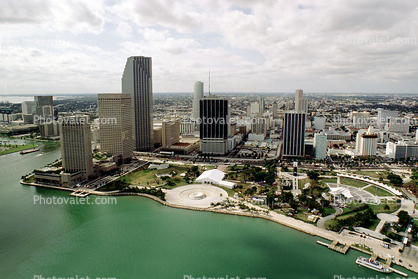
x=197, y=195
x=322, y=220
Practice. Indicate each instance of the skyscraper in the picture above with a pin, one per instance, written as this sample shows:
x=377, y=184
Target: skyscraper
x=274, y=110
x=170, y=133
x=75, y=139
x=44, y=107
x=214, y=127
x=320, y=145
x=261, y=105
x=198, y=94
x=137, y=82
x=116, y=125
x=301, y=104
x=294, y=134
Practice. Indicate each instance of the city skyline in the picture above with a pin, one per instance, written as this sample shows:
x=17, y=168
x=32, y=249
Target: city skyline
x=269, y=46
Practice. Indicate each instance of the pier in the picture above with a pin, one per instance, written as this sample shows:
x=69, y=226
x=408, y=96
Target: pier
x=335, y=247
x=80, y=194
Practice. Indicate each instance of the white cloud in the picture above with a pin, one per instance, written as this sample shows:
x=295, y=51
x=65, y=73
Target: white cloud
x=248, y=45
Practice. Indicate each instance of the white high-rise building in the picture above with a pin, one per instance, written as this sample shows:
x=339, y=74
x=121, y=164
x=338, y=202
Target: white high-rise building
x=116, y=125
x=301, y=104
x=75, y=139
x=137, y=82
x=383, y=117
x=366, y=142
x=255, y=108
x=319, y=122
x=198, y=94
x=320, y=146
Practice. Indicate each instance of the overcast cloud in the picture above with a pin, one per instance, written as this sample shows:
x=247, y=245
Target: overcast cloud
x=74, y=46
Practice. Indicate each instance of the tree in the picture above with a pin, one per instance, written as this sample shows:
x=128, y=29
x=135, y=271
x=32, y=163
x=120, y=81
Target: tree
x=404, y=218
x=395, y=179
x=386, y=207
x=313, y=175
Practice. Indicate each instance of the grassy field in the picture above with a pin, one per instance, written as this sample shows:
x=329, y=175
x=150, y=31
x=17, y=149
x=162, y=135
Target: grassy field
x=378, y=191
x=147, y=177
x=18, y=148
x=346, y=181
x=380, y=208
x=373, y=225
x=372, y=173
x=328, y=211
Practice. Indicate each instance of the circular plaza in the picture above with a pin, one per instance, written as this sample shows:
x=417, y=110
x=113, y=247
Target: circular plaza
x=198, y=195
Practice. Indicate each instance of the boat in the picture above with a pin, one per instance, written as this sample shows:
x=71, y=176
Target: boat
x=29, y=151
x=373, y=264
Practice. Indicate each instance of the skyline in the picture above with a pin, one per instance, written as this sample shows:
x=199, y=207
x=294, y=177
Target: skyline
x=64, y=46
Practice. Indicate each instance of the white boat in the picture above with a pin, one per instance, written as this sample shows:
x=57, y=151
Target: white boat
x=372, y=264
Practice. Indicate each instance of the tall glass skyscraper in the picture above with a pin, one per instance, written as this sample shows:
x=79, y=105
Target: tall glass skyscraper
x=137, y=81
x=214, y=126
x=294, y=134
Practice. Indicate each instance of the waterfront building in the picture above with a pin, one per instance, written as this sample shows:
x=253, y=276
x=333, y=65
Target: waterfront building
x=137, y=82
x=75, y=139
x=294, y=134
x=215, y=126
x=115, y=116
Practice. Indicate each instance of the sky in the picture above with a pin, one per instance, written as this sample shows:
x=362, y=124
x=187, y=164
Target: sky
x=74, y=46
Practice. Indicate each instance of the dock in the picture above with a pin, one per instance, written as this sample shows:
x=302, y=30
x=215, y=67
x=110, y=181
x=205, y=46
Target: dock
x=388, y=263
x=336, y=247
x=29, y=151
x=80, y=194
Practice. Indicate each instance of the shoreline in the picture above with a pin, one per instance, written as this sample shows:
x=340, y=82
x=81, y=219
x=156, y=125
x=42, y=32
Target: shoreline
x=18, y=150
x=270, y=216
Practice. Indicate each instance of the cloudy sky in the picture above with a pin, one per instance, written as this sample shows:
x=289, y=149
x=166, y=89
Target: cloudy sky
x=74, y=46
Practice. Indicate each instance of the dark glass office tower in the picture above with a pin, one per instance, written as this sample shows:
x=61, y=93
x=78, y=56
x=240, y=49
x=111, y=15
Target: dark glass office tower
x=294, y=134
x=214, y=125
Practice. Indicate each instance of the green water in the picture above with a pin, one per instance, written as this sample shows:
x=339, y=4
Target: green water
x=139, y=238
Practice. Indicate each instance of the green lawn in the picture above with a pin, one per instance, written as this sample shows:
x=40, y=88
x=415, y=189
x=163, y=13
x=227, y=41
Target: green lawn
x=328, y=211
x=378, y=191
x=372, y=173
x=346, y=181
x=373, y=225
x=380, y=208
x=229, y=191
x=143, y=177
x=18, y=148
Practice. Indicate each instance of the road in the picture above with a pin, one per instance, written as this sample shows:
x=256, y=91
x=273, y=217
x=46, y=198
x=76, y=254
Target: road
x=321, y=222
